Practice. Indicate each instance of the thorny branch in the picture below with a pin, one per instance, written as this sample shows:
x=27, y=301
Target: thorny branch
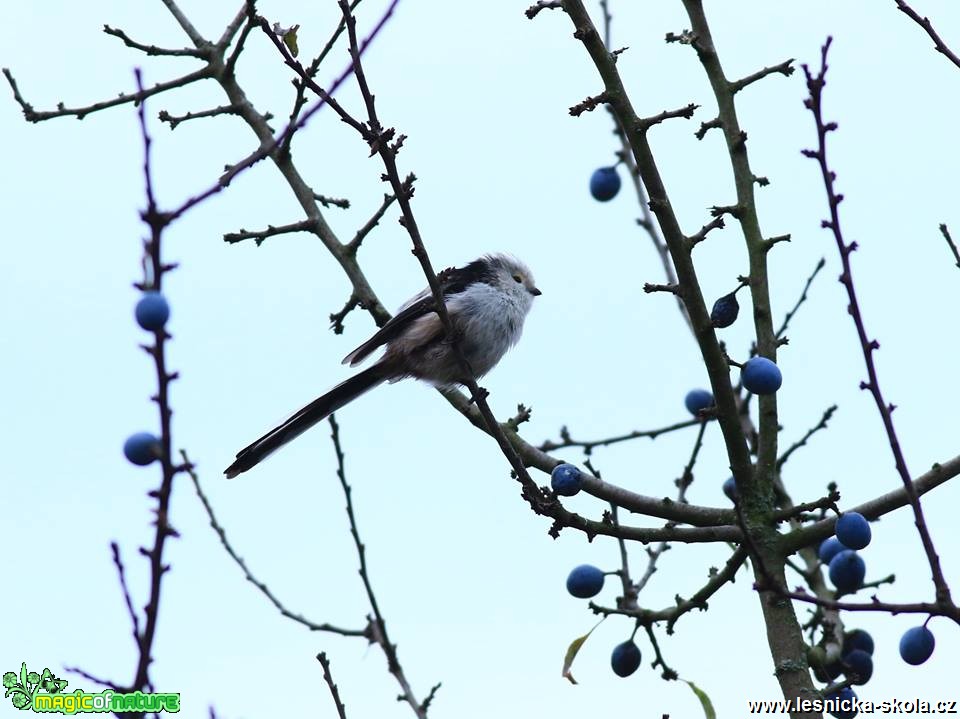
x=251, y=577
x=815, y=85
x=953, y=247
x=377, y=630
x=927, y=26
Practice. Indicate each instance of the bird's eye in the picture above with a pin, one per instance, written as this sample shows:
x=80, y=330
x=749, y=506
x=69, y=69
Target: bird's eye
x=518, y=278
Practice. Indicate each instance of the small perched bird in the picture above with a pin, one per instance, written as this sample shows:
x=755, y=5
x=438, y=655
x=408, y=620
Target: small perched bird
x=487, y=302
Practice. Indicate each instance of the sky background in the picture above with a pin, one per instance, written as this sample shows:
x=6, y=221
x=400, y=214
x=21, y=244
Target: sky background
x=470, y=583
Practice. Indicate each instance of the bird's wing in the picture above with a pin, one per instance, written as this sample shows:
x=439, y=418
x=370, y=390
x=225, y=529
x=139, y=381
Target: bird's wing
x=394, y=328
x=452, y=281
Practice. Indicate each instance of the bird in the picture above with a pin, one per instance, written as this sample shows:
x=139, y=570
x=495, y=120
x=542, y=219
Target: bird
x=487, y=302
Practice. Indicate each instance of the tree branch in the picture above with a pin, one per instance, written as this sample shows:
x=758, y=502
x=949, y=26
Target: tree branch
x=927, y=26
x=815, y=85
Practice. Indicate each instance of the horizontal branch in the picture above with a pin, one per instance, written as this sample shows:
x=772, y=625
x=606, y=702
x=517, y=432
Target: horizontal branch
x=785, y=68
x=645, y=123
x=705, y=127
x=875, y=605
x=650, y=287
x=589, y=445
x=153, y=49
x=715, y=224
x=663, y=508
x=532, y=11
x=875, y=508
x=259, y=236
x=175, y=120
x=32, y=115
x=589, y=104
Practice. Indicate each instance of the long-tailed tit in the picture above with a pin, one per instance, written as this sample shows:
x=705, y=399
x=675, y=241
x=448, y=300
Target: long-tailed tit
x=487, y=302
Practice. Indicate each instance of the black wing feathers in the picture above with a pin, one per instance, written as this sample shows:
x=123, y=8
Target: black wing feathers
x=453, y=280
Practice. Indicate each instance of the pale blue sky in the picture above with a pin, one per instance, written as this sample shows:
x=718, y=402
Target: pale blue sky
x=471, y=585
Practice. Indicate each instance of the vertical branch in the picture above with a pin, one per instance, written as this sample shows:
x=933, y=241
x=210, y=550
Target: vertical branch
x=156, y=221
x=815, y=84
x=680, y=248
x=646, y=220
x=379, y=140
x=744, y=180
x=378, y=624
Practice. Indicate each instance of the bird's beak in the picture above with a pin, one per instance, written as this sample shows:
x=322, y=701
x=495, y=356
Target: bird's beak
x=535, y=292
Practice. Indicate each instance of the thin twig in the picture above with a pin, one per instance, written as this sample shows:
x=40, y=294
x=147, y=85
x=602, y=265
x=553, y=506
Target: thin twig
x=802, y=299
x=153, y=49
x=378, y=623
x=944, y=230
x=683, y=483
x=379, y=140
x=96, y=680
x=374, y=220
x=532, y=11
x=589, y=445
x=785, y=68
x=815, y=85
x=250, y=577
x=927, y=26
x=175, y=120
x=822, y=424
x=259, y=236
x=682, y=606
x=121, y=574
x=155, y=221
x=123, y=98
x=328, y=678
x=667, y=673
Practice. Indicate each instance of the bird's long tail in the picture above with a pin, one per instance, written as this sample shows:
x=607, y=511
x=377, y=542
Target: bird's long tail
x=304, y=419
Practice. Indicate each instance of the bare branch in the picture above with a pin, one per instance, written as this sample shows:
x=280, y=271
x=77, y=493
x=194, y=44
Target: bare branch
x=337, y=318
x=785, y=68
x=155, y=222
x=378, y=624
x=645, y=123
x=250, y=577
x=715, y=224
x=153, y=49
x=259, y=236
x=803, y=298
x=682, y=606
x=175, y=120
x=953, y=247
x=815, y=85
x=822, y=424
x=138, y=97
x=588, y=105
x=589, y=445
x=342, y=203
x=705, y=127
x=121, y=574
x=650, y=287
x=328, y=678
x=877, y=507
x=927, y=26
x=532, y=11
x=195, y=37
x=374, y=220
